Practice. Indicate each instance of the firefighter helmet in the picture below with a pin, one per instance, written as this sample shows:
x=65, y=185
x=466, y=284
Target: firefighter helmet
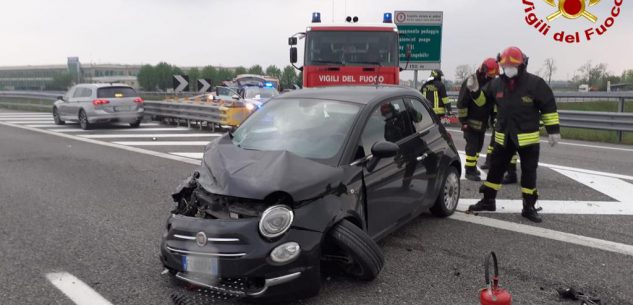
x=437, y=73
x=489, y=68
x=512, y=56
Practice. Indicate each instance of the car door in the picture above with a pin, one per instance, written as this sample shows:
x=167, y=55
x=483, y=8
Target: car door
x=427, y=146
x=63, y=108
x=390, y=201
x=73, y=104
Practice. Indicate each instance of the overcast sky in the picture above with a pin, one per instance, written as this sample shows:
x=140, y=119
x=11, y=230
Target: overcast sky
x=248, y=32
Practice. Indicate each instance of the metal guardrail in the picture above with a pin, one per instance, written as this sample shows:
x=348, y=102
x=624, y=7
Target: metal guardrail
x=215, y=114
x=596, y=120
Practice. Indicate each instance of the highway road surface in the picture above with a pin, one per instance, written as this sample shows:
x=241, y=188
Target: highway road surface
x=82, y=213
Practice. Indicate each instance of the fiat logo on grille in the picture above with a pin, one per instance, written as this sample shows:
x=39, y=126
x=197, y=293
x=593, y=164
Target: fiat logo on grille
x=201, y=239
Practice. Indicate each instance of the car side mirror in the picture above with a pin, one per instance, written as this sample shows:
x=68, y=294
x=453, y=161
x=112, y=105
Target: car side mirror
x=293, y=55
x=292, y=41
x=61, y=98
x=384, y=149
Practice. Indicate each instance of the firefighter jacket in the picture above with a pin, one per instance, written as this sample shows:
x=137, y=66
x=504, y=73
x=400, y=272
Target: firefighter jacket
x=435, y=92
x=521, y=104
x=474, y=109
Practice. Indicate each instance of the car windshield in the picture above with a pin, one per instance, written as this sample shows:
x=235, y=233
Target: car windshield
x=352, y=48
x=116, y=92
x=310, y=128
x=260, y=92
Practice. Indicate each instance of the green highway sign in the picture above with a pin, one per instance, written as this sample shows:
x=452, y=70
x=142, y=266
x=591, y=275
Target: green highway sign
x=421, y=32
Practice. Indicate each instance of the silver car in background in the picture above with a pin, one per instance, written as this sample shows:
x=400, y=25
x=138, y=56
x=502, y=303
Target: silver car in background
x=90, y=104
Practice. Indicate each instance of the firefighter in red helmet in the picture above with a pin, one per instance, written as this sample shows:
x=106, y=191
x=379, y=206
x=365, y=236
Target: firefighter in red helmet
x=522, y=100
x=475, y=112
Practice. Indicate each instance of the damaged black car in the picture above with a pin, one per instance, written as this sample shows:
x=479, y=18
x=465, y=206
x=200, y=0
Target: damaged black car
x=306, y=185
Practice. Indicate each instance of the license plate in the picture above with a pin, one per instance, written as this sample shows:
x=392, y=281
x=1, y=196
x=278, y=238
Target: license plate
x=122, y=108
x=205, y=265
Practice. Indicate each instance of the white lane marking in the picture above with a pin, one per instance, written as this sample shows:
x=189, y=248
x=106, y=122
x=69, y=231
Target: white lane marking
x=575, y=169
x=483, y=176
x=2, y=113
x=615, y=188
x=48, y=126
x=580, y=240
x=108, y=144
x=189, y=155
x=16, y=117
x=76, y=290
x=151, y=135
x=123, y=129
x=562, y=142
x=49, y=121
x=579, y=207
x=60, y=129
x=163, y=143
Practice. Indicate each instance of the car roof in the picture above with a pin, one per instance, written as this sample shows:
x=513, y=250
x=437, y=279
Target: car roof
x=355, y=94
x=102, y=85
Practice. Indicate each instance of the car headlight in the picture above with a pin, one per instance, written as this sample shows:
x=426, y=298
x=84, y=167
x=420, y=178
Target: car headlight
x=250, y=106
x=275, y=221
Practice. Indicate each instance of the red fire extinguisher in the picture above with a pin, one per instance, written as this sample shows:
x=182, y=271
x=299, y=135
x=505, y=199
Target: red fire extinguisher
x=492, y=294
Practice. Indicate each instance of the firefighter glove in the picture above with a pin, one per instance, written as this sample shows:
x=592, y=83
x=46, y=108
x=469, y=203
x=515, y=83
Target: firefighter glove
x=554, y=139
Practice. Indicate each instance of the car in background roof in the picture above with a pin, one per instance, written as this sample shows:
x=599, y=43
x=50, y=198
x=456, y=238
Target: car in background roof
x=91, y=104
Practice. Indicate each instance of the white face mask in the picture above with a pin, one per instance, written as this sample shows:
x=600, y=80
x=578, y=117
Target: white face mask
x=511, y=71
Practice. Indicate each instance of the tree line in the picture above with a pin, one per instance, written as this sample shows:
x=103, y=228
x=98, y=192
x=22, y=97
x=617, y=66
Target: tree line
x=159, y=77
x=595, y=75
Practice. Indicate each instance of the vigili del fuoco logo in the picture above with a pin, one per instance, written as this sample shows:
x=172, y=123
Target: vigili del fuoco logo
x=552, y=25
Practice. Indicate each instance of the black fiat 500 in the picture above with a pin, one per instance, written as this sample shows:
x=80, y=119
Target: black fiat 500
x=308, y=184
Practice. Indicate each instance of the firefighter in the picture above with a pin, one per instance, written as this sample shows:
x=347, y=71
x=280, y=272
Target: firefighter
x=435, y=91
x=474, y=112
x=522, y=99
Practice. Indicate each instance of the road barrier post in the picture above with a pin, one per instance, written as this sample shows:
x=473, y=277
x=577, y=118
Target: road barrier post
x=621, y=110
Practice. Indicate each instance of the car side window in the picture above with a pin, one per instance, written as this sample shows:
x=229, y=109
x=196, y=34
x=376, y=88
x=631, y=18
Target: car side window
x=419, y=114
x=388, y=122
x=70, y=93
x=78, y=92
x=87, y=92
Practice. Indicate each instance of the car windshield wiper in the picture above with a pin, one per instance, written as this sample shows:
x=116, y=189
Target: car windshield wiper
x=375, y=63
x=332, y=62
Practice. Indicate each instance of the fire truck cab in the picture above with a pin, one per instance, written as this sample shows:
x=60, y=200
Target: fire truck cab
x=348, y=53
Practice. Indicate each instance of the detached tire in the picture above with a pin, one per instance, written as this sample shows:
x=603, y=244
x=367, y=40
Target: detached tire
x=365, y=259
x=448, y=198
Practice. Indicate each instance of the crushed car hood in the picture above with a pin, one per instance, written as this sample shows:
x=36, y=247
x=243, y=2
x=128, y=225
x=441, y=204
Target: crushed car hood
x=232, y=171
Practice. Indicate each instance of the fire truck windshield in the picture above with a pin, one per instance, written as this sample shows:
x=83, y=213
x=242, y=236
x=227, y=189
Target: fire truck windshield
x=351, y=48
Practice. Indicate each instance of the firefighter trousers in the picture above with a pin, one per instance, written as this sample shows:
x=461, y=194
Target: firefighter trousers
x=501, y=157
x=474, y=143
x=513, y=162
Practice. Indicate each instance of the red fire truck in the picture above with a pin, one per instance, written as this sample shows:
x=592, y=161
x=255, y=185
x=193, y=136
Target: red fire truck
x=348, y=53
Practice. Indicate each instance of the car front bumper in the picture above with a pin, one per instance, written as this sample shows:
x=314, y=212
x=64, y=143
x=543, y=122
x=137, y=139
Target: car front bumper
x=241, y=253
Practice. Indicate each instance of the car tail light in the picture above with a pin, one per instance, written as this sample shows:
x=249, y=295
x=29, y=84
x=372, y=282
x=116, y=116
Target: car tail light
x=100, y=102
x=138, y=100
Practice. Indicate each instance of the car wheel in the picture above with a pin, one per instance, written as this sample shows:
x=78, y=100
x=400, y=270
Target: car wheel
x=360, y=256
x=136, y=124
x=448, y=198
x=83, y=120
x=56, y=117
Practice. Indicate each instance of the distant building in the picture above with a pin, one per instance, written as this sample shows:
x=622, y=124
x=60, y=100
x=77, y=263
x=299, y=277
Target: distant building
x=37, y=77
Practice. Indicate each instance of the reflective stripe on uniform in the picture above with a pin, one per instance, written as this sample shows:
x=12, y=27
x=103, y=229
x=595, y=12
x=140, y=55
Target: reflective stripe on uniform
x=439, y=110
x=445, y=100
x=475, y=124
x=471, y=161
x=528, y=138
x=462, y=112
x=514, y=160
x=436, y=100
x=493, y=186
x=500, y=138
x=528, y=191
x=481, y=100
x=550, y=119
x=489, y=149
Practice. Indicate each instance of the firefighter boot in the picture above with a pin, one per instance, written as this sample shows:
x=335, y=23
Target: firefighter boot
x=472, y=173
x=510, y=176
x=488, y=203
x=529, y=211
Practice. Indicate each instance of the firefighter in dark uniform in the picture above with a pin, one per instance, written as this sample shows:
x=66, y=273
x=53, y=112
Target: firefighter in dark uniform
x=435, y=92
x=474, y=112
x=522, y=100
